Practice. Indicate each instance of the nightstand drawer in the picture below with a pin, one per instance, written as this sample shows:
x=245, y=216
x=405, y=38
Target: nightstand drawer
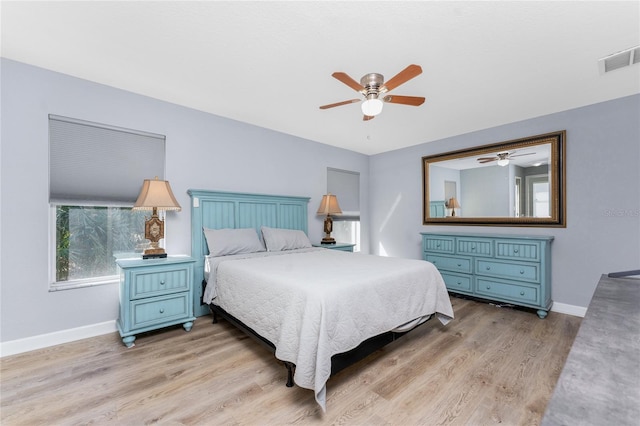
x=457, y=282
x=518, y=250
x=158, y=310
x=438, y=244
x=450, y=263
x=159, y=281
x=518, y=271
x=508, y=291
x=474, y=246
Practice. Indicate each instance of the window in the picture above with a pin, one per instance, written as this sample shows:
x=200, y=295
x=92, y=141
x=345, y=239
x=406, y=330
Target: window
x=95, y=175
x=88, y=238
x=346, y=187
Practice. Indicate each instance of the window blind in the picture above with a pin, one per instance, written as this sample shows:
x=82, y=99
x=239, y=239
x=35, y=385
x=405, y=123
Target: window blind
x=345, y=185
x=97, y=164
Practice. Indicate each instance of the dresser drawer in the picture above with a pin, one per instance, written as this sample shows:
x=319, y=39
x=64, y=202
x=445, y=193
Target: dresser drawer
x=457, y=282
x=518, y=250
x=159, y=310
x=474, y=246
x=508, y=291
x=159, y=281
x=450, y=263
x=513, y=270
x=438, y=244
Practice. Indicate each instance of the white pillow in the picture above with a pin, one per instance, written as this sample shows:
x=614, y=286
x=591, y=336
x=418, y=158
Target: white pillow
x=222, y=242
x=276, y=239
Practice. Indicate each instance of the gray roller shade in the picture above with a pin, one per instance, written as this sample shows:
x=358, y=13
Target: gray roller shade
x=97, y=164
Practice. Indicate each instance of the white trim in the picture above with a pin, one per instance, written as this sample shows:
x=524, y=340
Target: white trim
x=13, y=347
x=563, y=308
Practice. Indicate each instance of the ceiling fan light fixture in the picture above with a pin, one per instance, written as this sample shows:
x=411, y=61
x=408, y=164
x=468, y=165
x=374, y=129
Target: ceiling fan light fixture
x=372, y=107
x=503, y=162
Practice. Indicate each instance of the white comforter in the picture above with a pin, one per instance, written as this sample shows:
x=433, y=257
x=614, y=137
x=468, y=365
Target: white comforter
x=315, y=303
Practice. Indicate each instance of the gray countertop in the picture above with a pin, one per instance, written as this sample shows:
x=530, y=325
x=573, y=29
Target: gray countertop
x=600, y=382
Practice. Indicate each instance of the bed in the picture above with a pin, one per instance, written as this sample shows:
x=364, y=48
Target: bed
x=317, y=309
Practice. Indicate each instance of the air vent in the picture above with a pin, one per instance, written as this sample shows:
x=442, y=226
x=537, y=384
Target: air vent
x=619, y=60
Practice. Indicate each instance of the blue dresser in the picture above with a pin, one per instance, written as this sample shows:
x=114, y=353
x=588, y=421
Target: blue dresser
x=154, y=293
x=513, y=269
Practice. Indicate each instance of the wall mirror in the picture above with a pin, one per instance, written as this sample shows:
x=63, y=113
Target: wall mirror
x=513, y=183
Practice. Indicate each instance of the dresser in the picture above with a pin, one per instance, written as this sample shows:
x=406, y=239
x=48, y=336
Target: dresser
x=337, y=246
x=154, y=293
x=512, y=269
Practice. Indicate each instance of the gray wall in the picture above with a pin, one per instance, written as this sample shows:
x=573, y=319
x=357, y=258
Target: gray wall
x=603, y=194
x=485, y=192
x=203, y=152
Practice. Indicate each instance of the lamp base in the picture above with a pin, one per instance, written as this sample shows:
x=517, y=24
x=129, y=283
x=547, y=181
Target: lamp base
x=329, y=240
x=152, y=253
x=154, y=256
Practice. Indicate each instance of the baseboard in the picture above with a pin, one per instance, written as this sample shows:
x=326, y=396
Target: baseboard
x=563, y=308
x=27, y=344
x=13, y=347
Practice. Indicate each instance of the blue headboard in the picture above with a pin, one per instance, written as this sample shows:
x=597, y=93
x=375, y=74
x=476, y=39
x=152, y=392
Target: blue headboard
x=217, y=210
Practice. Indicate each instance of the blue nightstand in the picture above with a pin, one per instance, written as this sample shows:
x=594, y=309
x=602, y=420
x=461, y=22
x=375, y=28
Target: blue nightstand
x=337, y=246
x=154, y=293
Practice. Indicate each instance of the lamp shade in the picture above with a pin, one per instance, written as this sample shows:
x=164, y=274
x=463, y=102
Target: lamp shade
x=453, y=203
x=156, y=193
x=329, y=205
x=503, y=162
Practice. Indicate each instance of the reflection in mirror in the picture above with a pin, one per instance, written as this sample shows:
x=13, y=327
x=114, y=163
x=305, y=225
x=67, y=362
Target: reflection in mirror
x=511, y=183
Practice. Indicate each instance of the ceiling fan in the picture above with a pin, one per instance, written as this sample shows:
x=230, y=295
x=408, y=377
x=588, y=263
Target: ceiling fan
x=502, y=157
x=372, y=86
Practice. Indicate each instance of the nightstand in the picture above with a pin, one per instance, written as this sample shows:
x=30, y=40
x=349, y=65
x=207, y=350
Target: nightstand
x=154, y=293
x=337, y=246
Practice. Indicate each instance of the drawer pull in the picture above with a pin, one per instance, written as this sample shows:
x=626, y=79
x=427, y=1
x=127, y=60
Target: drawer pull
x=488, y=287
x=161, y=282
x=459, y=283
x=438, y=245
x=488, y=268
x=459, y=265
x=522, y=293
x=473, y=247
x=521, y=271
x=162, y=310
x=515, y=250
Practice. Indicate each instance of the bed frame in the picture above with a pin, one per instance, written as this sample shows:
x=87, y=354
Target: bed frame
x=217, y=210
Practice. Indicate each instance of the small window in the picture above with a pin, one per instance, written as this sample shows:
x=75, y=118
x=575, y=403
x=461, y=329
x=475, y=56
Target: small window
x=96, y=172
x=89, y=238
x=345, y=185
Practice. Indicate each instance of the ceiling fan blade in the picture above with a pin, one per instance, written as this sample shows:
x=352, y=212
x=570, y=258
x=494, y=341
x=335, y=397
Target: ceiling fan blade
x=368, y=117
x=486, y=160
x=405, y=100
x=348, y=81
x=520, y=155
x=402, y=77
x=352, y=101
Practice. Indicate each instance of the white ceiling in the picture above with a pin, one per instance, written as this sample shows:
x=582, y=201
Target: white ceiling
x=270, y=63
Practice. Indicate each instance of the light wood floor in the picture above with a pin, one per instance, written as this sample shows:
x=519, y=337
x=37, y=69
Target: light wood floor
x=490, y=365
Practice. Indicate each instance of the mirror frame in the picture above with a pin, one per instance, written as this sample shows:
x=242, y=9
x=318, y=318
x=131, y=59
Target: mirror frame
x=557, y=169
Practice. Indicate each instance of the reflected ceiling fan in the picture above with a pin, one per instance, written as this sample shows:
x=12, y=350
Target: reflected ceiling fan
x=372, y=86
x=502, y=157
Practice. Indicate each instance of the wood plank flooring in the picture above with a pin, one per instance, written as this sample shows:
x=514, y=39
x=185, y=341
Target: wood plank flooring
x=490, y=365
